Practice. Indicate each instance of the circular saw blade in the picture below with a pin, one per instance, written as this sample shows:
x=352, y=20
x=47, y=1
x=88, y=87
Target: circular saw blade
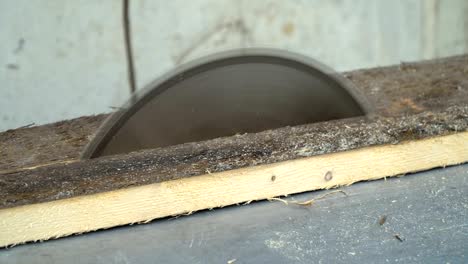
x=241, y=91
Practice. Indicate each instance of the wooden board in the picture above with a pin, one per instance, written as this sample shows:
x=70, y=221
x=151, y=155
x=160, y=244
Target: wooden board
x=408, y=88
x=71, y=179
x=52, y=194
x=183, y=196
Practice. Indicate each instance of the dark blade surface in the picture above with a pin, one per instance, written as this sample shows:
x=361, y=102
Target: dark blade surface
x=233, y=92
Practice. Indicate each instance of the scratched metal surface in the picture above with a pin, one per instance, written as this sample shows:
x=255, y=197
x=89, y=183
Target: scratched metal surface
x=428, y=211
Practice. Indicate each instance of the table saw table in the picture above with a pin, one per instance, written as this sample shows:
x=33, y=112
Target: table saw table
x=426, y=221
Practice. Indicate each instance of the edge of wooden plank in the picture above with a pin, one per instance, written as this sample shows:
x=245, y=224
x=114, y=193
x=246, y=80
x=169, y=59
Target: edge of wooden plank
x=73, y=179
x=406, y=88
x=142, y=204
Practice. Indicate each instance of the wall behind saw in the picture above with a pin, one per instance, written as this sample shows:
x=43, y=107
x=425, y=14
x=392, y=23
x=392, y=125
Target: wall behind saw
x=64, y=59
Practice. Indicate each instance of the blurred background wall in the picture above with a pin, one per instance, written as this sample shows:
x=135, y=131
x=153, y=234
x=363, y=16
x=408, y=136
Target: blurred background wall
x=64, y=59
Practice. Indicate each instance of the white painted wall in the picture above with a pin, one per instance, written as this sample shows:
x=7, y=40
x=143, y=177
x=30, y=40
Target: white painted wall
x=64, y=59
x=60, y=59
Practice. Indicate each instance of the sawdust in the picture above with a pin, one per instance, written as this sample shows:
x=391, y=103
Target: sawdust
x=307, y=202
x=198, y=158
x=289, y=245
x=398, y=92
x=402, y=89
x=38, y=145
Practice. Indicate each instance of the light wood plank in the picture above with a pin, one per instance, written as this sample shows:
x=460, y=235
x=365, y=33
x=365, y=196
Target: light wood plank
x=144, y=203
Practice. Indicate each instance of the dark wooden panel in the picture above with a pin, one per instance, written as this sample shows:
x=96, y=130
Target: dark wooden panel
x=86, y=177
x=407, y=88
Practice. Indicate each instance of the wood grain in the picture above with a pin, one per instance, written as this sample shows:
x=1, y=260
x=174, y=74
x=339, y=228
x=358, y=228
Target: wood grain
x=71, y=179
x=404, y=89
x=421, y=123
x=142, y=204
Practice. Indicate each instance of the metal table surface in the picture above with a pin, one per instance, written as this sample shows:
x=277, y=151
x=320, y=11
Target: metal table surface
x=428, y=211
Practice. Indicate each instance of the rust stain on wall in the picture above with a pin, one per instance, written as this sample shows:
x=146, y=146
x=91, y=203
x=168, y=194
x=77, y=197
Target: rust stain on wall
x=288, y=29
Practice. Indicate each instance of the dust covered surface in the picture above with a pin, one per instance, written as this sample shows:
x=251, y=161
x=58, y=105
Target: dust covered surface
x=404, y=89
x=60, y=181
x=63, y=140
x=415, y=87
